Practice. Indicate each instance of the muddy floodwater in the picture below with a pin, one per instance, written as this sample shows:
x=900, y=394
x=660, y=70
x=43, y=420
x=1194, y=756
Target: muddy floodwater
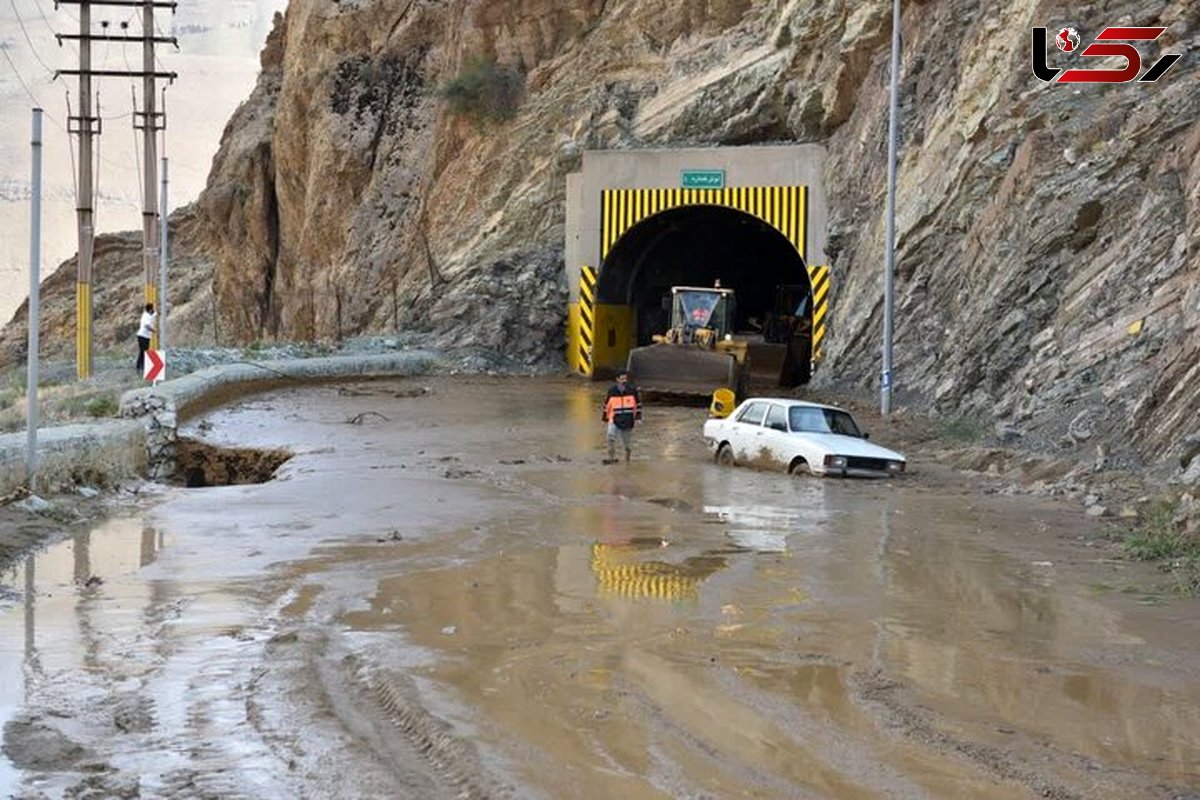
x=445, y=594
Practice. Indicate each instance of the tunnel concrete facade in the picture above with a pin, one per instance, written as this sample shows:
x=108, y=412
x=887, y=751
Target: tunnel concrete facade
x=617, y=193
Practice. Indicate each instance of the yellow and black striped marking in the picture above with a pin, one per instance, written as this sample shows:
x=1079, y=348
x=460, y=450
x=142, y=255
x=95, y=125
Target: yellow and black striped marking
x=83, y=331
x=819, y=276
x=587, y=319
x=785, y=208
x=150, y=293
x=642, y=579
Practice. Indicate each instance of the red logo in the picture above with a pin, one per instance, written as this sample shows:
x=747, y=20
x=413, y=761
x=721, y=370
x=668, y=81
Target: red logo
x=1067, y=40
x=1113, y=42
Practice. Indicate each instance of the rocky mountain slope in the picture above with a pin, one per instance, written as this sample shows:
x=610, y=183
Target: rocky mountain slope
x=1048, y=263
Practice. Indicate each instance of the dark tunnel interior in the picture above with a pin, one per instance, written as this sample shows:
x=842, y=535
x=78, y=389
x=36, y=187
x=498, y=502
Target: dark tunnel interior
x=696, y=246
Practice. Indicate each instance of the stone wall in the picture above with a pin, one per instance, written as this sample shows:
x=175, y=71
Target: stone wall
x=162, y=408
x=95, y=454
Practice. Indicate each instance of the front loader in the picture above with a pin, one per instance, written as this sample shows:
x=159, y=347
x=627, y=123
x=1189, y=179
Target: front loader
x=698, y=354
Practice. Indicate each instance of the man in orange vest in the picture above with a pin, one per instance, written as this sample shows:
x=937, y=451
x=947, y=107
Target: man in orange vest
x=622, y=409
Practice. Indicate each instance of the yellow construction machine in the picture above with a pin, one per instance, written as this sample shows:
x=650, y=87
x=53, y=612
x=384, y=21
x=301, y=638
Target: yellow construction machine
x=697, y=354
x=701, y=352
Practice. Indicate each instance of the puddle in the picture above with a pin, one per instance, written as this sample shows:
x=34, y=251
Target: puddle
x=202, y=464
x=45, y=596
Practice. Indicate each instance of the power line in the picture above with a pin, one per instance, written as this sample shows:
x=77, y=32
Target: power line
x=46, y=21
x=38, y=103
x=96, y=167
x=137, y=161
x=65, y=12
x=71, y=149
x=29, y=41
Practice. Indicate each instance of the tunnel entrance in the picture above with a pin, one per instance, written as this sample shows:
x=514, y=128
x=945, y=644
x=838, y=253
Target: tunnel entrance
x=698, y=246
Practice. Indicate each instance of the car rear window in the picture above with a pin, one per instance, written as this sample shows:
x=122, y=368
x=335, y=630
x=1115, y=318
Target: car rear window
x=753, y=415
x=808, y=419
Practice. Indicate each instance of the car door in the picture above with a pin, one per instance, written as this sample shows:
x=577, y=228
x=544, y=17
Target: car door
x=748, y=431
x=779, y=443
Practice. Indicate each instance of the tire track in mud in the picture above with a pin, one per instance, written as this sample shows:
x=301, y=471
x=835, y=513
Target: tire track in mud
x=657, y=718
x=879, y=696
x=430, y=737
x=359, y=692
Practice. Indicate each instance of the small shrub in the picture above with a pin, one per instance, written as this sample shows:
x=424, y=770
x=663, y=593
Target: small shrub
x=483, y=91
x=961, y=428
x=1187, y=575
x=104, y=405
x=9, y=397
x=1158, y=538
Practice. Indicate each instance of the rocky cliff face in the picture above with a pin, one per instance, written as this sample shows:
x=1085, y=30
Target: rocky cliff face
x=1048, y=235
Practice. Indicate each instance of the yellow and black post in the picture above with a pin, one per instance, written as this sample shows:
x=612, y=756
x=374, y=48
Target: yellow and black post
x=587, y=320
x=819, y=277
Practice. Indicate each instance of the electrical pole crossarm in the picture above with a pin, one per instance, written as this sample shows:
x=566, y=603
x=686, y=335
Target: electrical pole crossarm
x=117, y=73
x=105, y=37
x=120, y=3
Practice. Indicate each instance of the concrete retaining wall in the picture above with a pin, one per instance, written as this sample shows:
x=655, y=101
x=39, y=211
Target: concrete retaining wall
x=143, y=443
x=161, y=408
x=97, y=454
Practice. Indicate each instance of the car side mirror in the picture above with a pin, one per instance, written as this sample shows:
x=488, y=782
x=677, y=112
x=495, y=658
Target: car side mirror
x=866, y=435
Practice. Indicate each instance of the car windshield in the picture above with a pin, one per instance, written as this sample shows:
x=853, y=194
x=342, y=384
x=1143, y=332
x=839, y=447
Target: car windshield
x=809, y=419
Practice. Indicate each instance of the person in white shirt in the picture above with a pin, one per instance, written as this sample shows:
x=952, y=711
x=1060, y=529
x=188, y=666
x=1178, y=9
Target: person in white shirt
x=145, y=331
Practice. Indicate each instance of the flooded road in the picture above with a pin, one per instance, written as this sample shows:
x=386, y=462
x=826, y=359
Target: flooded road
x=450, y=596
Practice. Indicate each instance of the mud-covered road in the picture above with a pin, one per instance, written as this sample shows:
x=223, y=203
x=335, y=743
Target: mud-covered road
x=451, y=597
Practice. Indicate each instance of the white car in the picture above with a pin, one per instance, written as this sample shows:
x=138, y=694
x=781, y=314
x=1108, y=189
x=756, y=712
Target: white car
x=799, y=437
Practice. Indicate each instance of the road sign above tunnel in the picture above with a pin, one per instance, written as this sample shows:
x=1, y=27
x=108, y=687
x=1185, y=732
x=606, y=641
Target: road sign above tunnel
x=702, y=179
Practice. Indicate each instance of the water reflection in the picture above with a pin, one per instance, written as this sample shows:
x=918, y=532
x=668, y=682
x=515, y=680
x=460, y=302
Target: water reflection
x=55, y=625
x=30, y=615
x=621, y=572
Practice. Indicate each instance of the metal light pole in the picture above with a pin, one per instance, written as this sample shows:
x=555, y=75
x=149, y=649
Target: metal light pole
x=35, y=279
x=162, y=262
x=885, y=383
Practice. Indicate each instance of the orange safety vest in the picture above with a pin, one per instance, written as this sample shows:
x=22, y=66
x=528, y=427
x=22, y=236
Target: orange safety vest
x=621, y=406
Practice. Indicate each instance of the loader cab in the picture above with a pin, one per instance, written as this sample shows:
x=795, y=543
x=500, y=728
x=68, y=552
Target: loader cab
x=694, y=308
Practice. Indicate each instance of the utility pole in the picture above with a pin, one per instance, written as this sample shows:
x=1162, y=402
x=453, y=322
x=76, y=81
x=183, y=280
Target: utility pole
x=162, y=261
x=885, y=383
x=35, y=283
x=88, y=126
x=150, y=126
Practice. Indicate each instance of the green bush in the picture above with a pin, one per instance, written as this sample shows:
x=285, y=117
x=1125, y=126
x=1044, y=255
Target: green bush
x=483, y=91
x=104, y=405
x=961, y=428
x=1158, y=538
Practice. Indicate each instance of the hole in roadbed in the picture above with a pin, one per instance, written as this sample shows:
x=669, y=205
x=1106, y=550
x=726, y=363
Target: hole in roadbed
x=201, y=464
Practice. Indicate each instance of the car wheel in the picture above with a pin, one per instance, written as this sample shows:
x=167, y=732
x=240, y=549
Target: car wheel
x=725, y=455
x=799, y=468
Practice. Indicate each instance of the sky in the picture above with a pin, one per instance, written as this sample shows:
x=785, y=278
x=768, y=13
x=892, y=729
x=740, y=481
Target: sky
x=217, y=62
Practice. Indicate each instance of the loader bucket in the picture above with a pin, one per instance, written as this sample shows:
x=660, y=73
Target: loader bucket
x=682, y=370
x=766, y=362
